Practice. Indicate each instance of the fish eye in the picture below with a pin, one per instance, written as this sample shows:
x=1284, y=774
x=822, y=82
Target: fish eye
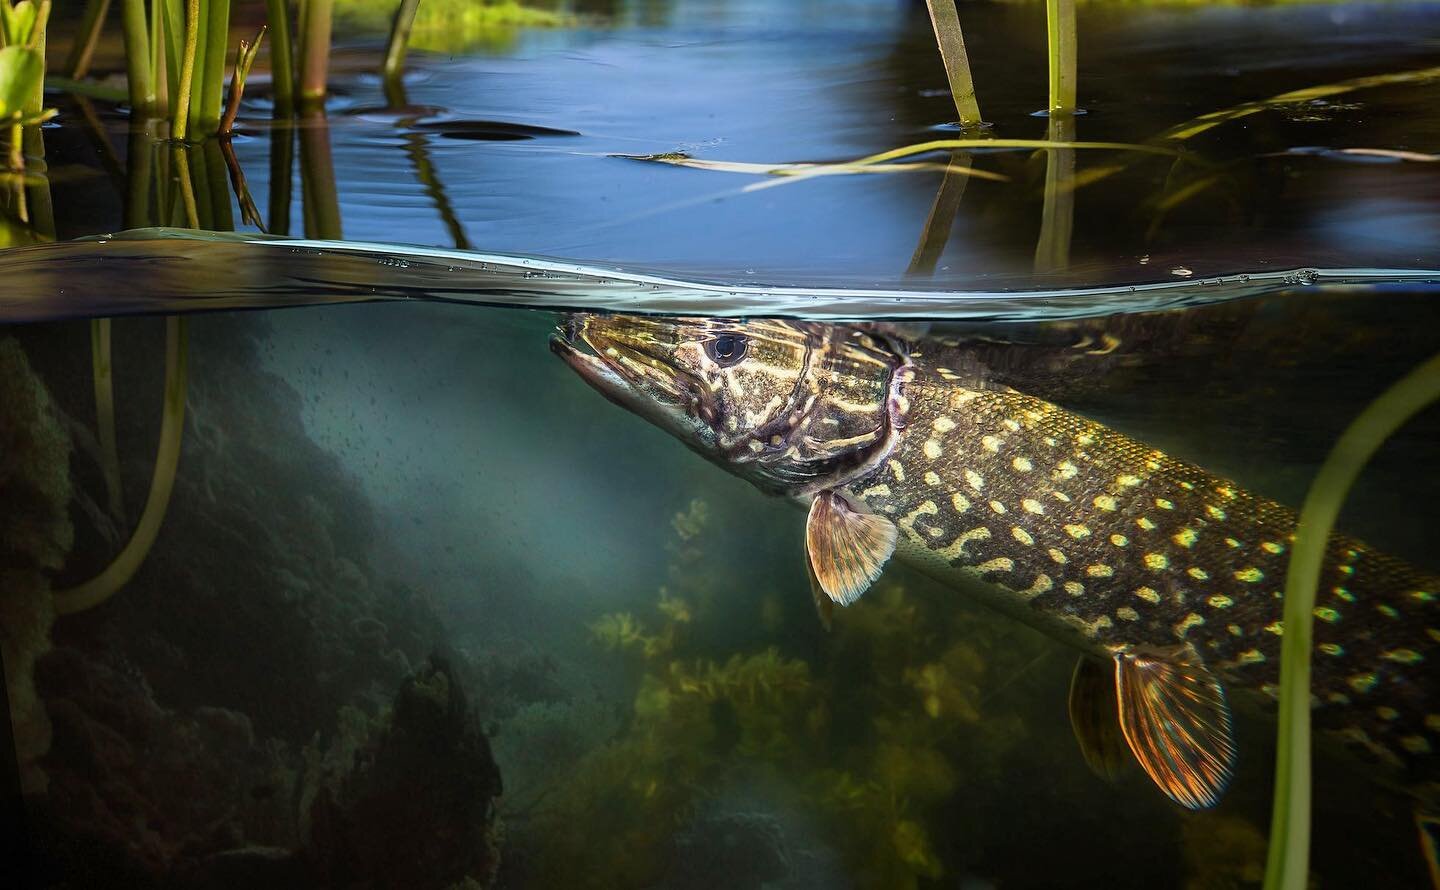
x=726, y=350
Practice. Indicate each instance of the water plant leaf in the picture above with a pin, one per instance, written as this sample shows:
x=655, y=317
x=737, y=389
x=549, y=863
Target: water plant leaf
x=20, y=72
x=18, y=21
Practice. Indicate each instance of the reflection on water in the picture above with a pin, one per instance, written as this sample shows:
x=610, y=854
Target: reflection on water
x=385, y=594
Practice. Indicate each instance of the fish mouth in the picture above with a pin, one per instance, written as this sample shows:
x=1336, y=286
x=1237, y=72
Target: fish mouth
x=617, y=358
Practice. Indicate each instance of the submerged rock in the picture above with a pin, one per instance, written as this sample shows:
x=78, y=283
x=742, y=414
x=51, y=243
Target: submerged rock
x=419, y=808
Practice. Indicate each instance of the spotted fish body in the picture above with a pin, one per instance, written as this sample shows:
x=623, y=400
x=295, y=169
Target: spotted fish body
x=1151, y=565
x=1101, y=540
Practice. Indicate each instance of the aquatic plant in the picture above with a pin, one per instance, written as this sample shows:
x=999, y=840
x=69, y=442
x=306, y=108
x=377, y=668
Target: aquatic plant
x=98, y=589
x=1061, y=41
x=445, y=26
x=22, y=71
x=244, y=61
x=1287, y=865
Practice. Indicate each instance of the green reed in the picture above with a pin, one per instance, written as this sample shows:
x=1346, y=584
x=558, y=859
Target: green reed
x=946, y=21
x=1061, y=42
x=1287, y=864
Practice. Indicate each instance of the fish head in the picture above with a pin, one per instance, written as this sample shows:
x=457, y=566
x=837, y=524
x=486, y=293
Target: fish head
x=789, y=405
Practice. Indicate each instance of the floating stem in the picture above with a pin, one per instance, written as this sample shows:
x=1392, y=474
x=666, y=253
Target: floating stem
x=101, y=370
x=167, y=459
x=946, y=21
x=1287, y=865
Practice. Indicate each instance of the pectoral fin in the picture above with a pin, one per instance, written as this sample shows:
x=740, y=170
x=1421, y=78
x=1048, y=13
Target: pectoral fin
x=846, y=548
x=1093, y=710
x=1428, y=824
x=1174, y=715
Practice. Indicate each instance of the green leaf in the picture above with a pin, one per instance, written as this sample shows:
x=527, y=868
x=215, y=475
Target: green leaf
x=21, y=71
x=18, y=21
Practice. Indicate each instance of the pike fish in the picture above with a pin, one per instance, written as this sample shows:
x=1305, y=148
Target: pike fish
x=1166, y=577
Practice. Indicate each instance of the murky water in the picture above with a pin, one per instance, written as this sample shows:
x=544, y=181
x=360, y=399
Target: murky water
x=406, y=603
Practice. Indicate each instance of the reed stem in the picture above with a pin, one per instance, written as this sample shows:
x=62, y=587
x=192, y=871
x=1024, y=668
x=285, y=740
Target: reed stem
x=1288, y=861
x=77, y=64
x=102, y=371
x=217, y=47
x=180, y=126
x=1060, y=25
x=946, y=21
x=400, y=38
x=315, y=56
x=282, y=60
x=137, y=57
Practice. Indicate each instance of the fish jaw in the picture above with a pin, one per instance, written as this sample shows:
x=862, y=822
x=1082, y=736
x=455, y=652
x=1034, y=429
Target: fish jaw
x=629, y=378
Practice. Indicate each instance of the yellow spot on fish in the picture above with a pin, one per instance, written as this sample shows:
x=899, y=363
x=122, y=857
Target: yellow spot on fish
x=1272, y=547
x=1434, y=634
x=1250, y=575
x=959, y=502
x=897, y=471
x=1065, y=470
x=1276, y=627
x=1125, y=613
x=932, y=478
x=1220, y=601
x=1388, y=611
x=1327, y=614
x=1050, y=440
x=1231, y=542
x=999, y=564
x=1347, y=570
x=1338, y=698
x=1042, y=585
x=1106, y=502
x=1386, y=713
x=1362, y=682
x=1343, y=594
x=1022, y=464
x=1021, y=535
x=1060, y=496
x=974, y=480
x=1127, y=480
x=1149, y=594
x=1186, y=537
x=1214, y=512
x=1145, y=523
x=1188, y=486
x=936, y=532
x=1156, y=561
x=1164, y=504
x=1332, y=648
x=1100, y=571
x=1403, y=656
x=1033, y=506
x=1235, y=630
x=1226, y=492
x=1074, y=588
x=1077, y=531
x=1197, y=573
x=1432, y=722
x=997, y=507
x=1191, y=620
x=1253, y=656
x=990, y=443
x=1415, y=744
x=1011, y=424
x=932, y=448
x=1422, y=596
x=943, y=424
x=1119, y=540
x=1058, y=557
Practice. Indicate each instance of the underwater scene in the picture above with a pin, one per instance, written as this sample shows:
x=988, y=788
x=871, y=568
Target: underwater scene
x=719, y=444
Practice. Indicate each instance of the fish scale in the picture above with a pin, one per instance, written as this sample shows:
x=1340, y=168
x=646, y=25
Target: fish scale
x=1094, y=536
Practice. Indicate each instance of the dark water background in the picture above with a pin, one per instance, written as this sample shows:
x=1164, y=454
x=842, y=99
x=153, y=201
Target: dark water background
x=365, y=487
